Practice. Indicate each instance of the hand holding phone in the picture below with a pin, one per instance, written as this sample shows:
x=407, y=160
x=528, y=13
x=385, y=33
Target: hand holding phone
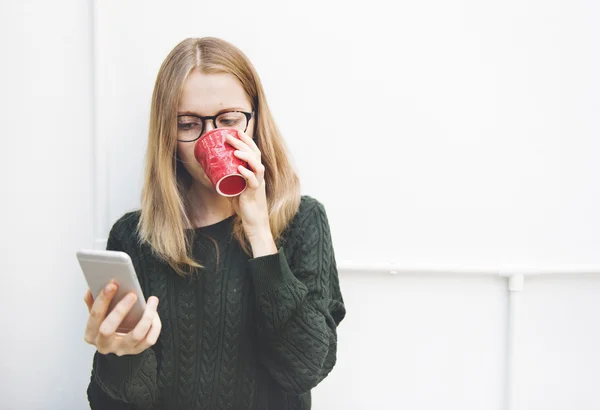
x=120, y=321
x=101, y=328
x=102, y=267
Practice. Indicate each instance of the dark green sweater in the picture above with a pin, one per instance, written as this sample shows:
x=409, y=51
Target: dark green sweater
x=241, y=334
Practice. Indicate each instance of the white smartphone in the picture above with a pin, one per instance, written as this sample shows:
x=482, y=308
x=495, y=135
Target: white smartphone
x=100, y=267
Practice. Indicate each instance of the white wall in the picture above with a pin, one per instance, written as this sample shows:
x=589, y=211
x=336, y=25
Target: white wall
x=414, y=342
x=559, y=352
x=473, y=120
x=440, y=341
x=492, y=163
x=46, y=202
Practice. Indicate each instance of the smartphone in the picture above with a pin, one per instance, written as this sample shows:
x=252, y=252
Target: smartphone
x=100, y=267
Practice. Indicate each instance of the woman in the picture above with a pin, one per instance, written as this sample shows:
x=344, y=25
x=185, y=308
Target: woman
x=248, y=287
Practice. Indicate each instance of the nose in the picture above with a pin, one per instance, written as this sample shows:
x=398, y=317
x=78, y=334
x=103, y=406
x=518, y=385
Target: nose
x=209, y=125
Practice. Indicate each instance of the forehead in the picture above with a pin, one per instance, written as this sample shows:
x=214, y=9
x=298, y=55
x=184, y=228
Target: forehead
x=207, y=94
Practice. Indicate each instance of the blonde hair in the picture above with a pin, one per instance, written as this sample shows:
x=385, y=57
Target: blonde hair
x=164, y=220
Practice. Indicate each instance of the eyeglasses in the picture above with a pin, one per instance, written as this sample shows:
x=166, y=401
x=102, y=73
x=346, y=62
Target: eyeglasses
x=191, y=127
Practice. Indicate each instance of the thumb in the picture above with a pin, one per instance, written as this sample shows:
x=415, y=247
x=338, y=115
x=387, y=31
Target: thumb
x=89, y=300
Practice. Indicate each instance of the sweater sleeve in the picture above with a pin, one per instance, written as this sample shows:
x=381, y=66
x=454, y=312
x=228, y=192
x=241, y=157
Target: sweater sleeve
x=123, y=382
x=299, y=306
x=127, y=379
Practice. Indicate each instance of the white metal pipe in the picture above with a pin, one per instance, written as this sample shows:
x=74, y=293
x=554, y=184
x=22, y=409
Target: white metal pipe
x=515, y=288
x=507, y=271
x=100, y=146
x=516, y=278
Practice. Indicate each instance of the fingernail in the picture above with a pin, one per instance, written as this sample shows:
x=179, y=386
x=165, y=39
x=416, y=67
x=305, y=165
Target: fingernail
x=109, y=288
x=130, y=298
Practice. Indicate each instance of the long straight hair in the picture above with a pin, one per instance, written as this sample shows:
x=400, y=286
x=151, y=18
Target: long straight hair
x=164, y=223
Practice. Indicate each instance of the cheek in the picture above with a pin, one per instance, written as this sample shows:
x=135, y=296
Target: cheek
x=185, y=152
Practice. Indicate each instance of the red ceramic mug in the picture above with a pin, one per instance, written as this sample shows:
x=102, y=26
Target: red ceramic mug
x=216, y=156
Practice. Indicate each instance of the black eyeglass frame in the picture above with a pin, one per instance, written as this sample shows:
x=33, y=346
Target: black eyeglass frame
x=249, y=116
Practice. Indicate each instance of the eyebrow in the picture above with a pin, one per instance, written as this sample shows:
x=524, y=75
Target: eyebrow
x=195, y=114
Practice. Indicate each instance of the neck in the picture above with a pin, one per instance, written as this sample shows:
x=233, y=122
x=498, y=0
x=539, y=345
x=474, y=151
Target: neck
x=206, y=206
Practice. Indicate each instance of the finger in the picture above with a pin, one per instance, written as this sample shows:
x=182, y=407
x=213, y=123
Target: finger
x=249, y=141
x=113, y=320
x=250, y=177
x=152, y=336
x=89, y=300
x=98, y=311
x=253, y=161
x=154, y=331
x=140, y=331
x=237, y=143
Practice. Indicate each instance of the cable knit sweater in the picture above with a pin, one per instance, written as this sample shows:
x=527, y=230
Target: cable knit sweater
x=241, y=334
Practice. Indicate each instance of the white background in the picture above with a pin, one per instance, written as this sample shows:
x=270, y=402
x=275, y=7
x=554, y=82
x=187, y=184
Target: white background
x=456, y=133
x=448, y=135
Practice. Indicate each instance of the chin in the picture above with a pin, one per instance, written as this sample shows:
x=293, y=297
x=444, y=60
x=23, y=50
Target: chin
x=202, y=179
